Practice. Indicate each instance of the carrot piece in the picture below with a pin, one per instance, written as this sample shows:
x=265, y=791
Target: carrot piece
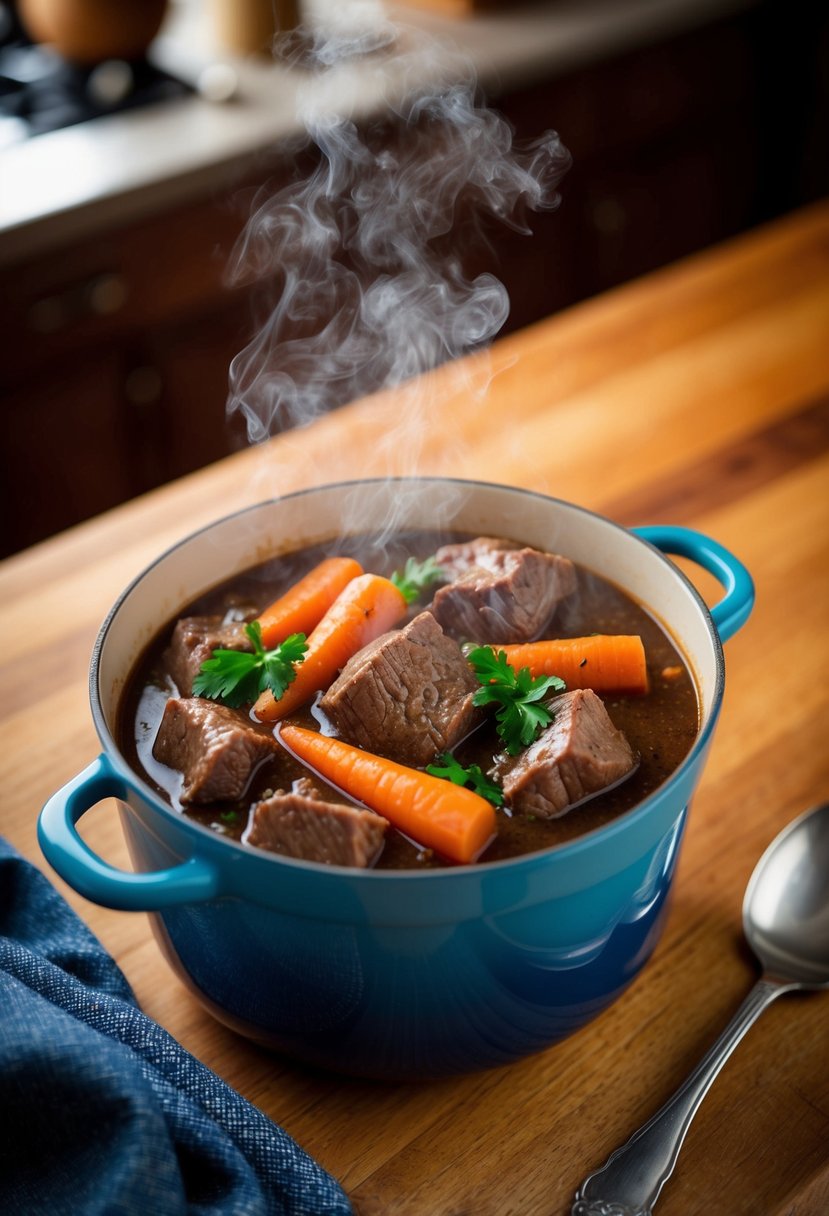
x=454, y=821
x=303, y=605
x=604, y=662
x=365, y=608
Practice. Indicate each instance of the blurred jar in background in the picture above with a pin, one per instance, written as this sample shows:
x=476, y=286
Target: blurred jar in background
x=248, y=27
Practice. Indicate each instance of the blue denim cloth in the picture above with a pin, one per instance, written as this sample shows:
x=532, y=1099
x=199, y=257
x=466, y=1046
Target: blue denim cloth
x=102, y=1111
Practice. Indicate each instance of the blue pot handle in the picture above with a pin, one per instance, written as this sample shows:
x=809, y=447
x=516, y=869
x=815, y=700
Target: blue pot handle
x=192, y=881
x=734, y=609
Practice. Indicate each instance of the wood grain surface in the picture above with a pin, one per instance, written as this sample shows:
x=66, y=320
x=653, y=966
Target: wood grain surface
x=699, y=395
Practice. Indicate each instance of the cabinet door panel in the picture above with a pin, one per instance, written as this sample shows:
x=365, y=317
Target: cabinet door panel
x=64, y=452
x=193, y=360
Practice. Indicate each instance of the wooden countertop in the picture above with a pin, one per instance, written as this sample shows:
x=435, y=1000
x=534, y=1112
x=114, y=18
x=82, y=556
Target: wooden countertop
x=700, y=396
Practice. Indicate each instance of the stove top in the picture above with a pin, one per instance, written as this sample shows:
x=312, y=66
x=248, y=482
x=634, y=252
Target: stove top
x=40, y=91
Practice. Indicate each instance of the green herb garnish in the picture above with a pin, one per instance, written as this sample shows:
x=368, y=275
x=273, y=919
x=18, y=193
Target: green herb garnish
x=416, y=577
x=520, y=715
x=471, y=776
x=237, y=677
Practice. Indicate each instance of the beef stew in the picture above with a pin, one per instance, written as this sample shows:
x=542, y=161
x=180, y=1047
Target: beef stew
x=377, y=702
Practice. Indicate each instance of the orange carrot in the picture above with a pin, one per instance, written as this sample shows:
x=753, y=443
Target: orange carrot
x=452, y=820
x=604, y=662
x=365, y=608
x=303, y=605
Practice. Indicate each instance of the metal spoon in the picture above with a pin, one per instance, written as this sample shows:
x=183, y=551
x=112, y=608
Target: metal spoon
x=786, y=923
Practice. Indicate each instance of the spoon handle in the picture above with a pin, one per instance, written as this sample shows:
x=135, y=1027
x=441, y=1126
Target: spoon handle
x=628, y=1184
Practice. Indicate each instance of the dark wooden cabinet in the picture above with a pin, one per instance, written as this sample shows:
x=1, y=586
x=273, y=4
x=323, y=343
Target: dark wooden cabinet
x=114, y=370
x=676, y=146
x=65, y=448
x=116, y=350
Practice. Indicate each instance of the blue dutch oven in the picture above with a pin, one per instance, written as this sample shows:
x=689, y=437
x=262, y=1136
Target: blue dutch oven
x=397, y=974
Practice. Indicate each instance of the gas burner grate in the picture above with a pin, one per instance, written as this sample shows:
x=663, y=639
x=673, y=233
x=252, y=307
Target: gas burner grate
x=40, y=92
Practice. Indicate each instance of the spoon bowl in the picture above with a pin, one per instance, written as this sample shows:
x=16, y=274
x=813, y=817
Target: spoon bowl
x=786, y=904
x=786, y=923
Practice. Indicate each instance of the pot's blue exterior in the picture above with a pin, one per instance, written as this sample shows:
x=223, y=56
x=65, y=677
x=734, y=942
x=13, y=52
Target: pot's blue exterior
x=400, y=979
x=408, y=1001
x=400, y=974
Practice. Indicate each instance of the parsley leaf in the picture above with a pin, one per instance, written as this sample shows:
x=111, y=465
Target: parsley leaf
x=237, y=677
x=471, y=776
x=416, y=577
x=520, y=715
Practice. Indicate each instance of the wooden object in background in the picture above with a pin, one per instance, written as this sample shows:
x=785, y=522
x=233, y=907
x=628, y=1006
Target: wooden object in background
x=248, y=27
x=92, y=31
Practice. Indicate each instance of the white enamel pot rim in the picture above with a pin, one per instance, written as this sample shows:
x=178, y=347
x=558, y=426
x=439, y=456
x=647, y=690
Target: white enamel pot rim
x=523, y=515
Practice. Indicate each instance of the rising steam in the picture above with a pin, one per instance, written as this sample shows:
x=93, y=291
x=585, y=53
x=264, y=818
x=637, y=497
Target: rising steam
x=364, y=253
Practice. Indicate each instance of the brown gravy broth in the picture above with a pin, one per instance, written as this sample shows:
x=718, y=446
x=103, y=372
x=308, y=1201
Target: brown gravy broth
x=661, y=726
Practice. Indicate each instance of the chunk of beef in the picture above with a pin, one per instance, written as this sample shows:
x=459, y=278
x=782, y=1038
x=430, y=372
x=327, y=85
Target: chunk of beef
x=578, y=754
x=484, y=552
x=194, y=639
x=503, y=594
x=301, y=823
x=407, y=695
x=217, y=749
